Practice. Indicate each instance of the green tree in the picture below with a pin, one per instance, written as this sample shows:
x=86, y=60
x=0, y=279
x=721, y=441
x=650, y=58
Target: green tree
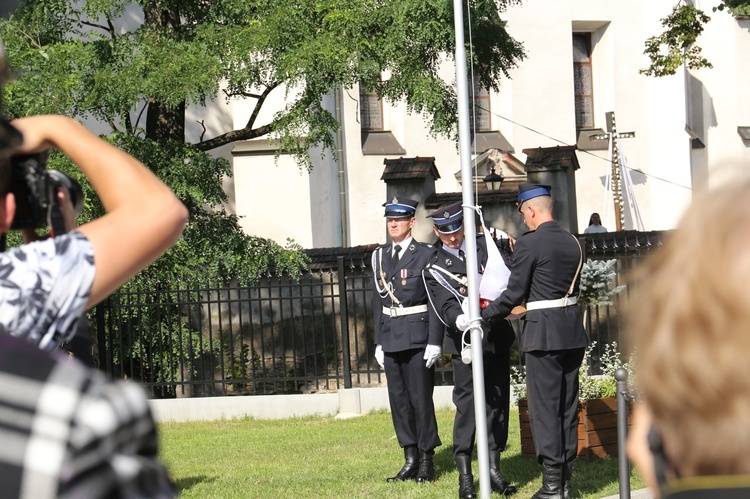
x=135, y=66
x=677, y=44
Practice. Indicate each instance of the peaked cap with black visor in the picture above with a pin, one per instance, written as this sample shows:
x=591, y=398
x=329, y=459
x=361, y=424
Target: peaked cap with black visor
x=400, y=208
x=448, y=219
x=530, y=191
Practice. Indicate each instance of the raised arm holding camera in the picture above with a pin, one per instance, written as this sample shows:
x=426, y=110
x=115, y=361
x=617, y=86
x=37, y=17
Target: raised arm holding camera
x=73, y=272
x=99, y=436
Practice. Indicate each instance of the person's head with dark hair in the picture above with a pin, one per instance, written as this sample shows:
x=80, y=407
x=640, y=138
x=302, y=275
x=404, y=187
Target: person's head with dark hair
x=595, y=219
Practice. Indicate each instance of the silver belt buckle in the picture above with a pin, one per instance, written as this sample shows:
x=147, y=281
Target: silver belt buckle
x=394, y=312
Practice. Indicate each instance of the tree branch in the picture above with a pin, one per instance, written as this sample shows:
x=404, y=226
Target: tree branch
x=202, y=123
x=94, y=25
x=259, y=104
x=246, y=133
x=243, y=94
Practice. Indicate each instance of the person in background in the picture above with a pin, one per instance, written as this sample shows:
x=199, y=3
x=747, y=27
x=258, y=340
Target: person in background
x=546, y=276
x=408, y=339
x=595, y=225
x=445, y=278
x=689, y=329
x=80, y=345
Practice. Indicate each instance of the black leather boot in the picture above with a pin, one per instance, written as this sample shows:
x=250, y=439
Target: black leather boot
x=499, y=484
x=551, y=482
x=567, y=472
x=426, y=471
x=411, y=465
x=465, y=478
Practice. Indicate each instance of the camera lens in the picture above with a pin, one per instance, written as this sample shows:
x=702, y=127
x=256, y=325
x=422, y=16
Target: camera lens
x=74, y=188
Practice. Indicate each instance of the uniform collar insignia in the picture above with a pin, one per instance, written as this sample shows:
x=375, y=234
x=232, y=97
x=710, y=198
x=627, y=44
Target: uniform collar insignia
x=448, y=262
x=411, y=247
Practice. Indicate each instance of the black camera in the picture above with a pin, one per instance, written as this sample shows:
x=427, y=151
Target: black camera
x=35, y=190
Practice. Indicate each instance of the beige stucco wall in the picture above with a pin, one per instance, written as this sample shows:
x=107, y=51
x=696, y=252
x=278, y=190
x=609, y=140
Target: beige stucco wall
x=539, y=100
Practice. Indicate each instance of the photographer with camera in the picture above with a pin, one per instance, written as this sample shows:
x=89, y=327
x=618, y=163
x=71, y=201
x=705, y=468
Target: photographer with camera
x=54, y=200
x=59, y=278
x=76, y=433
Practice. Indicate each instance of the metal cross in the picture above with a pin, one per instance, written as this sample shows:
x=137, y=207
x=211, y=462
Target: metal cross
x=611, y=135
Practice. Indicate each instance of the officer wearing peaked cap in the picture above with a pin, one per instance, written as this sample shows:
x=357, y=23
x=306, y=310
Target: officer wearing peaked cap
x=445, y=278
x=408, y=338
x=546, y=275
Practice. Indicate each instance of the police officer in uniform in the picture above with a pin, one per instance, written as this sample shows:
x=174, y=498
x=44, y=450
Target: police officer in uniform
x=546, y=274
x=445, y=278
x=408, y=338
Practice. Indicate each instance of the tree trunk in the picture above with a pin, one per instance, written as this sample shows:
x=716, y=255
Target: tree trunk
x=164, y=123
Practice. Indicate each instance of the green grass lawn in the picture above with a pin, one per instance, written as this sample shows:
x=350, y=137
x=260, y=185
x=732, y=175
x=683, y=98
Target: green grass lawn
x=322, y=457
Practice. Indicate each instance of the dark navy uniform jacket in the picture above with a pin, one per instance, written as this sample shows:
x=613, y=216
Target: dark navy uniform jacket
x=495, y=333
x=396, y=334
x=545, y=262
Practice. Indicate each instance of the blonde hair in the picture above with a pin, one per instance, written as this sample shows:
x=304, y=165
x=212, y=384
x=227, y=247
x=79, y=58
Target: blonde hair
x=690, y=327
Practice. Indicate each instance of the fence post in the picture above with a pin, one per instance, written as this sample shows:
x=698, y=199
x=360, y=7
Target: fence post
x=621, y=375
x=344, y=324
x=101, y=344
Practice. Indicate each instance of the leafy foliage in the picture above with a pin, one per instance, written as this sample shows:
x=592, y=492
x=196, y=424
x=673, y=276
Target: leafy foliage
x=735, y=7
x=133, y=67
x=589, y=386
x=605, y=384
x=596, y=283
x=677, y=44
x=87, y=59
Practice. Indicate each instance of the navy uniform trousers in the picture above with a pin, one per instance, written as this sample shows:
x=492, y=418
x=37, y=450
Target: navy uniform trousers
x=498, y=336
x=552, y=385
x=497, y=402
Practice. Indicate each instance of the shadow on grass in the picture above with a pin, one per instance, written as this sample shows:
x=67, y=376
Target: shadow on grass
x=444, y=464
x=185, y=484
x=589, y=479
x=515, y=469
x=589, y=476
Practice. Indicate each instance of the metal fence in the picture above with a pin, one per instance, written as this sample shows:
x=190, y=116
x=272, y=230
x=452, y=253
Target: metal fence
x=275, y=334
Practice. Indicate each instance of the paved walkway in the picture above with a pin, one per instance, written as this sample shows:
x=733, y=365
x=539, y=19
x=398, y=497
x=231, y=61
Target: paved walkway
x=635, y=494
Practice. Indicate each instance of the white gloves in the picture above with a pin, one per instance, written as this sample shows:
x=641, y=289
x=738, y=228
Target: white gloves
x=462, y=322
x=431, y=354
x=465, y=306
x=379, y=356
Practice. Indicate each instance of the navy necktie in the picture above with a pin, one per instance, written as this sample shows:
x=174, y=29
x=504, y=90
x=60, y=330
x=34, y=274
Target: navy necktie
x=462, y=255
x=394, y=258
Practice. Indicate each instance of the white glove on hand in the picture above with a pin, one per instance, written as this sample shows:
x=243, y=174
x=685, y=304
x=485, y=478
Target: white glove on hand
x=465, y=306
x=462, y=322
x=379, y=355
x=431, y=354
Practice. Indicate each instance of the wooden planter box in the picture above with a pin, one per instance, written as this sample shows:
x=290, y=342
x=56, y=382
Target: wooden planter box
x=597, y=428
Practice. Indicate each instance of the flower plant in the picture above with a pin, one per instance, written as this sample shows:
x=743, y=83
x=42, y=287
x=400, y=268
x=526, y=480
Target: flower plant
x=589, y=386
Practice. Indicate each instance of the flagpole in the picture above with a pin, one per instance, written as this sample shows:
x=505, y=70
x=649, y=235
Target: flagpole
x=470, y=238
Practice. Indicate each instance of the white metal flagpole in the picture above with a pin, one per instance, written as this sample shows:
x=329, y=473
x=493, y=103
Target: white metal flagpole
x=467, y=176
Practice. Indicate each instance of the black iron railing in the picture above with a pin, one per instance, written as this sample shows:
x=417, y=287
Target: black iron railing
x=276, y=335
